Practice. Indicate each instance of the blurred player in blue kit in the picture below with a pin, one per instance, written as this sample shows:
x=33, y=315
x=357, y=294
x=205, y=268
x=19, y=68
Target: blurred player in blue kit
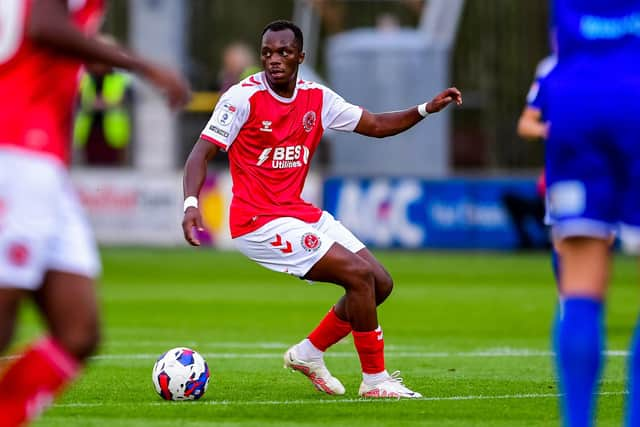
x=593, y=175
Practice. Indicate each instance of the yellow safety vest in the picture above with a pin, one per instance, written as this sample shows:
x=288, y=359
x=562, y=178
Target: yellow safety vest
x=116, y=122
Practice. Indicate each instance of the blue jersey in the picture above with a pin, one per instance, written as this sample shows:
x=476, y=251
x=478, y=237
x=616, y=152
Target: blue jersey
x=591, y=101
x=597, y=36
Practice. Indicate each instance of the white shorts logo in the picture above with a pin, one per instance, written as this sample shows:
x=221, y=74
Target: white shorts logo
x=567, y=198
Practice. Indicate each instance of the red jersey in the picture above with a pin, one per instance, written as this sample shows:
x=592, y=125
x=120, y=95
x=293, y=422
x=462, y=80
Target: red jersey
x=38, y=85
x=271, y=141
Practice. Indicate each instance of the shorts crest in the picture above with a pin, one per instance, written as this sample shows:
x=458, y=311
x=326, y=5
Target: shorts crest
x=310, y=242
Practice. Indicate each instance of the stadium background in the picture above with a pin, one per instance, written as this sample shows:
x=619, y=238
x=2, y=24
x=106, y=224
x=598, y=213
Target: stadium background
x=457, y=167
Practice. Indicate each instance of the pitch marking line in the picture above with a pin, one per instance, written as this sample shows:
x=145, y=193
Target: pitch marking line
x=405, y=354
x=335, y=401
x=422, y=355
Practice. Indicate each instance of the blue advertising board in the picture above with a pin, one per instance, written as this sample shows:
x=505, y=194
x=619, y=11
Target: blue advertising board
x=418, y=213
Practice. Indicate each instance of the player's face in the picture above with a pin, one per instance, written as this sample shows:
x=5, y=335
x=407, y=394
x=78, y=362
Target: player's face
x=280, y=57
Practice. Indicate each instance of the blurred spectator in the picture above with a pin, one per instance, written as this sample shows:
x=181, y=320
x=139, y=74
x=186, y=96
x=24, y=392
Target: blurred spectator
x=238, y=62
x=102, y=129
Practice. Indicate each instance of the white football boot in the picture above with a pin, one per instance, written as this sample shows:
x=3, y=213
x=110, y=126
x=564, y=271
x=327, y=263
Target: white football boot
x=315, y=370
x=391, y=387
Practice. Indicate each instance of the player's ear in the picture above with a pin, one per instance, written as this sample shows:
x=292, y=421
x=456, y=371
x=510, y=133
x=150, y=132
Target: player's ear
x=301, y=58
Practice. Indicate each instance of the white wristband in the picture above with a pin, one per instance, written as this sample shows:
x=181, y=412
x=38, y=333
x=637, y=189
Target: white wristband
x=422, y=109
x=190, y=202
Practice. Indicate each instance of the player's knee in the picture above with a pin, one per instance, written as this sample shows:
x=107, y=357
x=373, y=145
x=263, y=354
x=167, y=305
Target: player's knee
x=80, y=341
x=384, y=287
x=362, y=278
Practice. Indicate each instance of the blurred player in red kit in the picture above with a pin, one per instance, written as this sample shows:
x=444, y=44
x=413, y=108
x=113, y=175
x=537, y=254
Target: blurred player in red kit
x=270, y=124
x=47, y=251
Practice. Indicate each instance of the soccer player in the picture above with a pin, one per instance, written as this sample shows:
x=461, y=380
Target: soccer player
x=270, y=124
x=593, y=171
x=533, y=126
x=47, y=251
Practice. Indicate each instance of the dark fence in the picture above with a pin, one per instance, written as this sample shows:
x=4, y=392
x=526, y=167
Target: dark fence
x=497, y=47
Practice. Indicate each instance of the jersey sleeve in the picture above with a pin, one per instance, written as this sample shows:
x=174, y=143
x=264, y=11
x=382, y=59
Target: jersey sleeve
x=228, y=117
x=533, y=96
x=337, y=113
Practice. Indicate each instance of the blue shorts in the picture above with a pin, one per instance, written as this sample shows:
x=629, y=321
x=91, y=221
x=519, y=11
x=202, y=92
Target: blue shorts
x=593, y=157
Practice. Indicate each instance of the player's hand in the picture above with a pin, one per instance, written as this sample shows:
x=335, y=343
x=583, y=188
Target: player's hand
x=192, y=221
x=443, y=99
x=172, y=84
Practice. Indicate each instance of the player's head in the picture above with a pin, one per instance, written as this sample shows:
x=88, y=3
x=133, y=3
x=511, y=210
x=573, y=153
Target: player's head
x=281, y=51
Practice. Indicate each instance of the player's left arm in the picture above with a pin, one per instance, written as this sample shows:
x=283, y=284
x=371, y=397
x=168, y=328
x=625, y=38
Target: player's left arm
x=380, y=125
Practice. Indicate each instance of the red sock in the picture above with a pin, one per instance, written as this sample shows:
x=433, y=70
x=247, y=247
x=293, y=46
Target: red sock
x=330, y=330
x=31, y=382
x=370, y=346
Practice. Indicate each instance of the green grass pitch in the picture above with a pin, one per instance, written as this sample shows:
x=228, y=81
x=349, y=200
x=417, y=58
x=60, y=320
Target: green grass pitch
x=470, y=331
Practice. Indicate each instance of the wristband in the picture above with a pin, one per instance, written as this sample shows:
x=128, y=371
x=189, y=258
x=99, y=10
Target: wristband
x=190, y=202
x=422, y=109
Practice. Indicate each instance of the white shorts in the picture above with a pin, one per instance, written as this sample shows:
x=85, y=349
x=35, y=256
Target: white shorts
x=289, y=245
x=42, y=224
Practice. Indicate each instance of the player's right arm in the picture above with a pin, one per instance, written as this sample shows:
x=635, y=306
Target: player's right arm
x=228, y=117
x=195, y=172
x=49, y=25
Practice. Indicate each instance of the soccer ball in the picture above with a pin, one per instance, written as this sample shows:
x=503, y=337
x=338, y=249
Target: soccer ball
x=180, y=374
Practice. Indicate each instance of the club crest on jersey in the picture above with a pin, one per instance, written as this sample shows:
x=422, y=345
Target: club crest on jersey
x=309, y=120
x=310, y=242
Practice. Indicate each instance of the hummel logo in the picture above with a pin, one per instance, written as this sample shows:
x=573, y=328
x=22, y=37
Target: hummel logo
x=282, y=245
x=266, y=126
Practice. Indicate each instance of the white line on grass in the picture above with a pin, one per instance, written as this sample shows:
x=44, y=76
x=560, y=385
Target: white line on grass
x=333, y=401
x=504, y=352
x=405, y=354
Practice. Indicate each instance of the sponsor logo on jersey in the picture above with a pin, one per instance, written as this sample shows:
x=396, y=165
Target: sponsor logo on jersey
x=219, y=131
x=309, y=120
x=293, y=156
x=263, y=156
x=266, y=126
x=310, y=242
x=225, y=114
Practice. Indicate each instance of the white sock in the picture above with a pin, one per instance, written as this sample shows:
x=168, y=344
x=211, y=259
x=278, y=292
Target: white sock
x=307, y=351
x=372, y=379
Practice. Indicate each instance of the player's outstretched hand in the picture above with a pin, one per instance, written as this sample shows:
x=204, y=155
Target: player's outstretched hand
x=192, y=221
x=172, y=84
x=443, y=99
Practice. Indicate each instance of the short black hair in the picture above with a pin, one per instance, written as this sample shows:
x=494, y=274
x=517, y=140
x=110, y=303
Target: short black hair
x=283, y=24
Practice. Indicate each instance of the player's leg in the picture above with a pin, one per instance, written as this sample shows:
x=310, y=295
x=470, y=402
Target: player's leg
x=9, y=304
x=579, y=333
x=583, y=177
x=356, y=276
x=633, y=380
x=57, y=261
x=67, y=302
x=335, y=325
x=383, y=283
